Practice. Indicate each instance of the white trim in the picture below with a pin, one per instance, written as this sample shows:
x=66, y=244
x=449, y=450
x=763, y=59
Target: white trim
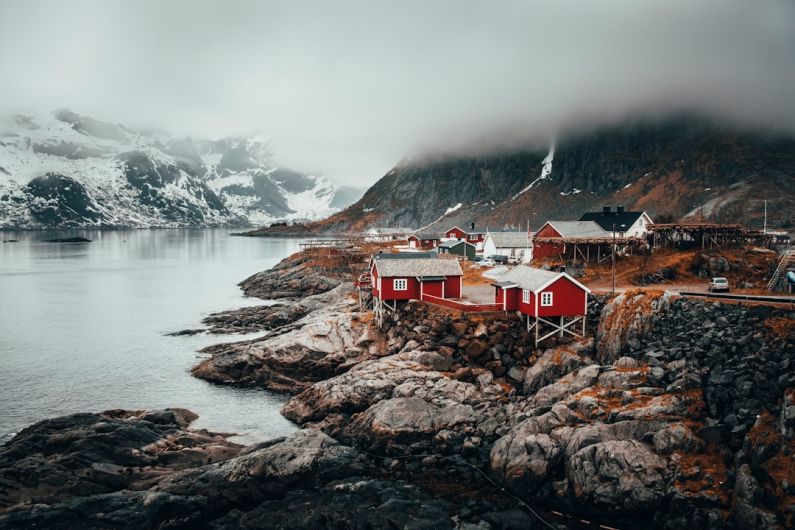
x=525, y=296
x=460, y=286
x=401, y=281
x=558, y=277
x=551, y=299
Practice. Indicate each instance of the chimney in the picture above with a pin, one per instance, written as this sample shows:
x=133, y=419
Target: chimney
x=605, y=209
x=619, y=209
x=473, y=226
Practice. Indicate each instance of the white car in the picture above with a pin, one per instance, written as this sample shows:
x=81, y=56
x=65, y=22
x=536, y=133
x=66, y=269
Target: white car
x=488, y=262
x=718, y=284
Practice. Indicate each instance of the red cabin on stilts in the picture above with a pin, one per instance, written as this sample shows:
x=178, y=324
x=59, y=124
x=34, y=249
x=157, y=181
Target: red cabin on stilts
x=554, y=299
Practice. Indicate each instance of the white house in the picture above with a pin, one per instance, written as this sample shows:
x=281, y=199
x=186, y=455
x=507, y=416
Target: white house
x=513, y=244
x=625, y=224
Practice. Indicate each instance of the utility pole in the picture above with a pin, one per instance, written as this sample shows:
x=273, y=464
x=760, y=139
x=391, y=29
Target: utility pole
x=613, y=259
x=764, y=226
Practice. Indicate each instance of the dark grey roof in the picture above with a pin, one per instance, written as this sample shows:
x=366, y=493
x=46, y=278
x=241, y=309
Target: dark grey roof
x=419, y=267
x=504, y=284
x=432, y=278
x=607, y=219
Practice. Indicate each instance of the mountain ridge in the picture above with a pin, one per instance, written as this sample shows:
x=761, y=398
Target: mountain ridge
x=67, y=170
x=679, y=167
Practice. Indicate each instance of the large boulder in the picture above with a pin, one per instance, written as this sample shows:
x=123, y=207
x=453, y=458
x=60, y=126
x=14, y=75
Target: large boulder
x=554, y=364
x=618, y=476
x=627, y=320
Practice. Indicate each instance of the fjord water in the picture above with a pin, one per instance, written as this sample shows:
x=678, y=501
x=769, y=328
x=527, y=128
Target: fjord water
x=82, y=325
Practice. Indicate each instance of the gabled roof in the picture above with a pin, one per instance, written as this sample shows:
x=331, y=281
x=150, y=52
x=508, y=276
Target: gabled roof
x=418, y=267
x=450, y=243
x=404, y=255
x=606, y=219
x=423, y=234
x=478, y=229
x=534, y=279
x=577, y=229
x=510, y=239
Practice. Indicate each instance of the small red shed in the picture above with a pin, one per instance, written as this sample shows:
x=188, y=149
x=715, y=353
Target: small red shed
x=424, y=240
x=455, y=233
x=544, y=295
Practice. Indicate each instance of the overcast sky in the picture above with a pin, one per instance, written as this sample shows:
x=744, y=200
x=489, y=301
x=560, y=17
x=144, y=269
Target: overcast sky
x=349, y=88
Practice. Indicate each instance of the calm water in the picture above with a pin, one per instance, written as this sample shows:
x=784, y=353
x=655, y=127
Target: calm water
x=82, y=325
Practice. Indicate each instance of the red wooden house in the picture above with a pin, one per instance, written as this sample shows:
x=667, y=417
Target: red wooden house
x=563, y=230
x=473, y=234
x=424, y=240
x=401, y=277
x=542, y=296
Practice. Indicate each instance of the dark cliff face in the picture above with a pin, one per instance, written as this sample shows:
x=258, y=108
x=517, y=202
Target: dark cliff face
x=675, y=167
x=416, y=194
x=150, y=179
x=61, y=201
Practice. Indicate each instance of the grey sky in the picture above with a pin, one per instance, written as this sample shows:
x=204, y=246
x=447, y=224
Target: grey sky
x=349, y=88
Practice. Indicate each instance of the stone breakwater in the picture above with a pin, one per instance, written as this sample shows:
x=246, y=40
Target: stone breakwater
x=676, y=413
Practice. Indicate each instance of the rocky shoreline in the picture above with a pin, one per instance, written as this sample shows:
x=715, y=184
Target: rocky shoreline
x=675, y=413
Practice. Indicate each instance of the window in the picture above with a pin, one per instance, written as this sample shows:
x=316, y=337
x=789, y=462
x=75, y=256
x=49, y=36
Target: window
x=400, y=284
x=525, y=296
x=546, y=299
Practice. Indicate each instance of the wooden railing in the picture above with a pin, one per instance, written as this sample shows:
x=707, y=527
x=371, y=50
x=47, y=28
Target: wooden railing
x=461, y=305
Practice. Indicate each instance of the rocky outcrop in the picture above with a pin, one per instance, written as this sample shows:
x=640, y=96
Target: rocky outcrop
x=268, y=317
x=294, y=277
x=92, y=454
x=627, y=320
x=307, y=480
x=323, y=344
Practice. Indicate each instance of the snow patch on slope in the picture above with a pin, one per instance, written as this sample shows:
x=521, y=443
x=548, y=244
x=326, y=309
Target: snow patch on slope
x=546, y=171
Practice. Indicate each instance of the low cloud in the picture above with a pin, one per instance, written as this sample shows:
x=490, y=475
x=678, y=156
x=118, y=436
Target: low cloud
x=349, y=88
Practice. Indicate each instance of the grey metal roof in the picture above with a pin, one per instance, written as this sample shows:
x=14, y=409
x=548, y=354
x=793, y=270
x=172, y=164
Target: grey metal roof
x=427, y=235
x=528, y=278
x=504, y=284
x=404, y=255
x=578, y=229
x=418, y=267
x=510, y=239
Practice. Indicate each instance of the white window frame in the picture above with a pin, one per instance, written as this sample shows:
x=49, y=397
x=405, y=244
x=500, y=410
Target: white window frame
x=400, y=284
x=547, y=299
x=526, y=296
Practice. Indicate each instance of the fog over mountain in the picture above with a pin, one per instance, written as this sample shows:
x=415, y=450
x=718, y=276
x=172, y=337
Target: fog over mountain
x=349, y=88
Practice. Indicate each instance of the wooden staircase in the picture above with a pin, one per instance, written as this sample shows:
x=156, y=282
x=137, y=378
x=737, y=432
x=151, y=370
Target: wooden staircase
x=786, y=259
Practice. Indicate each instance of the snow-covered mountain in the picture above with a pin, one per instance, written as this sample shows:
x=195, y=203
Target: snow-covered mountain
x=67, y=170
